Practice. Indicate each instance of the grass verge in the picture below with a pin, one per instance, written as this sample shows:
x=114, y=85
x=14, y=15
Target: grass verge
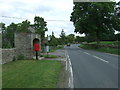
x=58, y=47
x=31, y=74
x=49, y=56
x=102, y=49
x=107, y=42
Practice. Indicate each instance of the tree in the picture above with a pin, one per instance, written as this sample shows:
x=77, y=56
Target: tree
x=117, y=9
x=8, y=36
x=63, y=37
x=117, y=36
x=40, y=26
x=94, y=19
x=70, y=38
x=2, y=26
x=53, y=41
x=109, y=36
x=79, y=39
x=24, y=26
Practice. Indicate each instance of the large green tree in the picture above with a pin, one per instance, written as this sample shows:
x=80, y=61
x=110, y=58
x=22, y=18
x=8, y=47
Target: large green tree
x=118, y=9
x=95, y=18
x=117, y=36
x=8, y=35
x=40, y=26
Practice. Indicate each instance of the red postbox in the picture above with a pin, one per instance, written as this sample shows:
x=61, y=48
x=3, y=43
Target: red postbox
x=36, y=47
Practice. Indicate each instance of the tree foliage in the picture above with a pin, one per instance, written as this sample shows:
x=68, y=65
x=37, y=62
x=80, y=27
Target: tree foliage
x=24, y=26
x=70, y=38
x=40, y=26
x=117, y=9
x=117, y=36
x=79, y=39
x=8, y=32
x=63, y=37
x=95, y=19
x=8, y=35
x=53, y=40
x=2, y=26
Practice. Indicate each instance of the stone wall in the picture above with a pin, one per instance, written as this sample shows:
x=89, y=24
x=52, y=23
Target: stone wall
x=8, y=55
x=23, y=47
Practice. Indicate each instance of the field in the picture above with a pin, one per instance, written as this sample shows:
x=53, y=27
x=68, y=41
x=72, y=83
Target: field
x=103, y=49
x=31, y=74
x=107, y=42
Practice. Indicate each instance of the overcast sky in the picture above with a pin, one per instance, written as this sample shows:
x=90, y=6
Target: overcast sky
x=48, y=9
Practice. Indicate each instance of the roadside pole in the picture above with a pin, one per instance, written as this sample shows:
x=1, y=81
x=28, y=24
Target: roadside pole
x=47, y=47
x=47, y=50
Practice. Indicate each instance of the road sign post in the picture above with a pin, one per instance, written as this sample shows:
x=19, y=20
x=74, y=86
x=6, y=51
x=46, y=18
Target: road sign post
x=47, y=50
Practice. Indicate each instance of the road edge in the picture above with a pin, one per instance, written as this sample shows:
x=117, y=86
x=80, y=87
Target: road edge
x=69, y=70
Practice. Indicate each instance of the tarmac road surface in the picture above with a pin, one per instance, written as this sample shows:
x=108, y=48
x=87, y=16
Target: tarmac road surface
x=93, y=69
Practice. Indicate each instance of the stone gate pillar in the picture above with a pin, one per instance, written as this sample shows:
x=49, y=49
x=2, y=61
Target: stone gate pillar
x=24, y=44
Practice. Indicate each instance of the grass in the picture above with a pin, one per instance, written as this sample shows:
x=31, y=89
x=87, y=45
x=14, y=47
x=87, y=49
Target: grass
x=49, y=56
x=107, y=50
x=0, y=76
x=31, y=74
x=107, y=42
x=58, y=47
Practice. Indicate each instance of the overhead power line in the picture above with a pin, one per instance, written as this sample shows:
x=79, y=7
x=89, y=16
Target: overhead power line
x=26, y=18
x=59, y=20
x=12, y=17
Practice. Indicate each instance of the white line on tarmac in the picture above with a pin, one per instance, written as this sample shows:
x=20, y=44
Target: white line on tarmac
x=72, y=86
x=101, y=59
x=71, y=71
x=69, y=81
x=97, y=57
x=86, y=53
x=66, y=58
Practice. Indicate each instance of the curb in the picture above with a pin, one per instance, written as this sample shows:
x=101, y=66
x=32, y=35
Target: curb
x=69, y=71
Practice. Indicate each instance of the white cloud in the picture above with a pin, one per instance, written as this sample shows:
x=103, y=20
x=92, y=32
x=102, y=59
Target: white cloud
x=49, y=10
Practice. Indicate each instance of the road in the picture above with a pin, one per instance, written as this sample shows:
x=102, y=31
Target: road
x=93, y=69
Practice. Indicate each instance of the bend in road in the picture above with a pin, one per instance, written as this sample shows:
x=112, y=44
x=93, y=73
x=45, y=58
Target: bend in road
x=93, y=69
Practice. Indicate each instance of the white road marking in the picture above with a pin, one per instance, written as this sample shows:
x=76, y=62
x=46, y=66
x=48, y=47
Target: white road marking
x=96, y=57
x=86, y=53
x=69, y=68
x=66, y=58
x=69, y=81
x=71, y=71
x=101, y=59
